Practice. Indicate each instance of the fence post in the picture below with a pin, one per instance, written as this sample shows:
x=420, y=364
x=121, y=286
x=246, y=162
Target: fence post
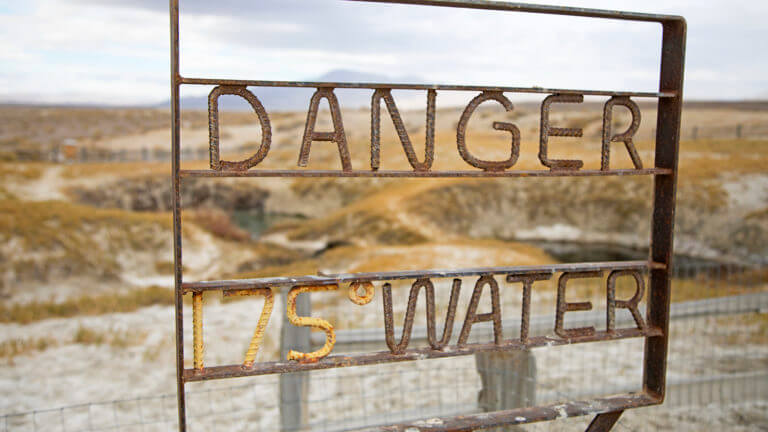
x=738, y=131
x=294, y=387
x=508, y=379
x=695, y=132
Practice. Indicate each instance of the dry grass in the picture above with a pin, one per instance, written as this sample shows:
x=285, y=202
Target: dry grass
x=86, y=305
x=707, y=287
x=116, y=170
x=52, y=223
x=111, y=337
x=349, y=191
x=14, y=347
x=5, y=195
x=752, y=329
x=124, y=169
x=297, y=268
x=268, y=255
x=23, y=128
x=72, y=239
x=710, y=158
x=378, y=217
x=758, y=215
x=120, y=339
x=164, y=267
x=21, y=171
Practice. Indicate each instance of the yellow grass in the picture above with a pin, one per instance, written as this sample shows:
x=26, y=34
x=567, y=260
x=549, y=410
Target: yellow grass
x=21, y=171
x=19, y=346
x=86, y=305
x=114, y=338
x=75, y=234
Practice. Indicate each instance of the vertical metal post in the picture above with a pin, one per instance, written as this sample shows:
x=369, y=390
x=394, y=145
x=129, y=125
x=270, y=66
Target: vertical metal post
x=176, y=184
x=294, y=386
x=508, y=381
x=604, y=422
x=663, y=224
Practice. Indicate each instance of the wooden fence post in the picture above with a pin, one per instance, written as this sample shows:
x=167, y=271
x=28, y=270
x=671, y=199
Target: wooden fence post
x=294, y=387
x=508, y=379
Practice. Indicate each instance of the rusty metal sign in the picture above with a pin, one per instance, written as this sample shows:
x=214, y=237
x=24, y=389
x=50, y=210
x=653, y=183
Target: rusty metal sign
x=362, y=287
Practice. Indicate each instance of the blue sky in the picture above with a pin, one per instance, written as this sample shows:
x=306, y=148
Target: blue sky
x=116, y=52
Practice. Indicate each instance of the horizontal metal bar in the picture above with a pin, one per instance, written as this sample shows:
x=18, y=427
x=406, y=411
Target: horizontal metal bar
x=327, y=279
x=405, y=86
x=535, y=8
x=734, y=387
x=425, y=174
x=527, y=415
x=338, y=361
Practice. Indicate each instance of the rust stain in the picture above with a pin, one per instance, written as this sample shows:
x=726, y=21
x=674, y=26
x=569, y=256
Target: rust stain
x=266, y=313
x=366, y=298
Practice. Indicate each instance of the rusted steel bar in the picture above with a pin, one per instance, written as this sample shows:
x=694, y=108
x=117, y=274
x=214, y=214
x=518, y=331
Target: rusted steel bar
x=493, y=316
x=604, y=422
x=173, y=6
x=341, y=360
x=564, y=306
x=632, y=304
x=665, y=189
x=337, y=136
x=535, y=8
x=266, y=313
x=317, y=323
x=357, y=339
x=625, y=137
x=527, y=281
x=527, y=415
x=197, y=330
x=356, y=298
x=405, y=86
x=545, y=131
x=424, y=174
x=659, y=264
x=389, y=333
x=414, y=274
x=213, y=128
x=402, y=133
x=461, y=133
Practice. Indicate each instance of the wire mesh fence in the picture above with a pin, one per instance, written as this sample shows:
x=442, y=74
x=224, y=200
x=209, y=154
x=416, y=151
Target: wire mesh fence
x=718, y=358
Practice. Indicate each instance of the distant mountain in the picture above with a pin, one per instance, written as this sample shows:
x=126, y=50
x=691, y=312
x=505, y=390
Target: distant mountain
x=293, y=99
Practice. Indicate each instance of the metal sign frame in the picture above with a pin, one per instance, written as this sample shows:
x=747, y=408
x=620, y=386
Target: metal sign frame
x=656, y=325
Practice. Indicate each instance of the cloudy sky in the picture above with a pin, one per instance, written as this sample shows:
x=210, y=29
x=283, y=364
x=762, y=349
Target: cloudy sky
x=116, y=51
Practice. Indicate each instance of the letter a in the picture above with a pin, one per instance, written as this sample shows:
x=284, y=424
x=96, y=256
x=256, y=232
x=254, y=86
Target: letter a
x=336, y=136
